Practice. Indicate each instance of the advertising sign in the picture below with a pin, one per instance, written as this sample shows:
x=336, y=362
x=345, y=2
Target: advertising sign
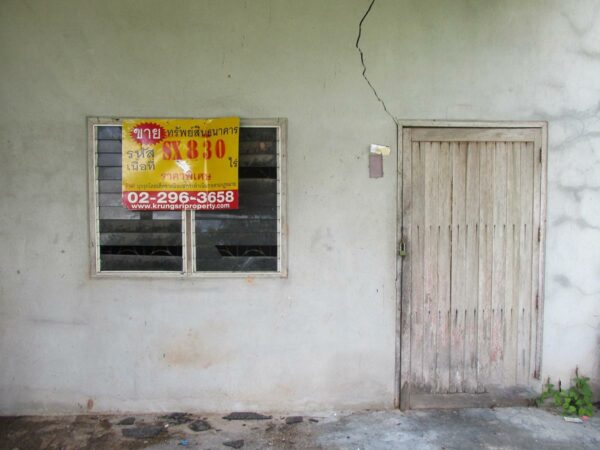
x=180, y=164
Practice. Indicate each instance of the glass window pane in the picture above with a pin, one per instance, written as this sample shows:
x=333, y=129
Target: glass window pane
x=131, y=240
x=245, y=240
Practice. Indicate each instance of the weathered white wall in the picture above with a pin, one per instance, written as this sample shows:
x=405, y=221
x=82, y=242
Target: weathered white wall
x=325, y=336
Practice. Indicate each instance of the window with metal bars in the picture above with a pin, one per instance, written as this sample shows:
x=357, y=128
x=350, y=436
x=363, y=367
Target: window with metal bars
x=245, y=241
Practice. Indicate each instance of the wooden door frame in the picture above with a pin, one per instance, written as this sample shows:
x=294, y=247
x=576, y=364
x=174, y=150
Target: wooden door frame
x=402, y=366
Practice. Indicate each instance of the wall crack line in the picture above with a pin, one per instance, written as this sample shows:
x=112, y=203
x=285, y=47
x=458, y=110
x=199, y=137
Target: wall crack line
x=362, y=60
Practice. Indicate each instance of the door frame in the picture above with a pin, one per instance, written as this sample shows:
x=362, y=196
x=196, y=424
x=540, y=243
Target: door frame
x=402, y=347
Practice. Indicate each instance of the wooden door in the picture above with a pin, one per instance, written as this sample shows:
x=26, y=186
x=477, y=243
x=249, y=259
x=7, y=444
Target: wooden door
x=472, y=227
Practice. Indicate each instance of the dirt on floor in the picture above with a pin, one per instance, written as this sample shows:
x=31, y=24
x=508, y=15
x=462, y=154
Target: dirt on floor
x=499, y=428
x=175, y=430
x=67, y=433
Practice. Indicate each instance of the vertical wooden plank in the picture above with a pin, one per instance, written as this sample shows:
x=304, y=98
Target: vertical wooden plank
x=486, y=150
x=511, y=306
x=526, y=197
x=543, y=137
x=406, y=273
x=535, y=251
x=458, y=299
x=535, y=148
x=498, y=264
x=430, y=267
x=444, y=266
x=417, y=261
x=472, y=229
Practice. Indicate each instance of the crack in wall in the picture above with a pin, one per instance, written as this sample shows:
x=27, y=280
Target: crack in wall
x=362, y=61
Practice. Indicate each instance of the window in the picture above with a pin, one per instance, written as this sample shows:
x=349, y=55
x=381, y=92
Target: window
x=247, y=241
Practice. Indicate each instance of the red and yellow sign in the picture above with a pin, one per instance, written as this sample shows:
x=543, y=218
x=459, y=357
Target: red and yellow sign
x=179, y=164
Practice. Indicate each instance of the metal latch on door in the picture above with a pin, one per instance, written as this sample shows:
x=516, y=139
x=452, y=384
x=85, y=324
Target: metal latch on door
x=402, y=250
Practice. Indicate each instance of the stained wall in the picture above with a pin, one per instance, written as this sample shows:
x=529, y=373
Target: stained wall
x=324, y=337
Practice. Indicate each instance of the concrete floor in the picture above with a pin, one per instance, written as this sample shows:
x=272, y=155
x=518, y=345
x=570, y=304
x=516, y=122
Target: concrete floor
x=502, y=428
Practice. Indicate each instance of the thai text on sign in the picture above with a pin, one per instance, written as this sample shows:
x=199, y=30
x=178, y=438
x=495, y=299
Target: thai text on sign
x=180, y=164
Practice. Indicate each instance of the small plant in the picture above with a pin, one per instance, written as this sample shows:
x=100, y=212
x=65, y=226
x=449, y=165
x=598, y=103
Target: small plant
x=575, y=401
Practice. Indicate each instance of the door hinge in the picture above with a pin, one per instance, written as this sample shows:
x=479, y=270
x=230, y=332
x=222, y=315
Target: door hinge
x=537, y=301
x=540, y=155
x=539, y=234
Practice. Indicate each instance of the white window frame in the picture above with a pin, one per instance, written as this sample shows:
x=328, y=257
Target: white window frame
x=188, y=236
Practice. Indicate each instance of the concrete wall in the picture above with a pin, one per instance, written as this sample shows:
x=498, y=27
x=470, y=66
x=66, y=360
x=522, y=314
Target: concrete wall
x=325, y=336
